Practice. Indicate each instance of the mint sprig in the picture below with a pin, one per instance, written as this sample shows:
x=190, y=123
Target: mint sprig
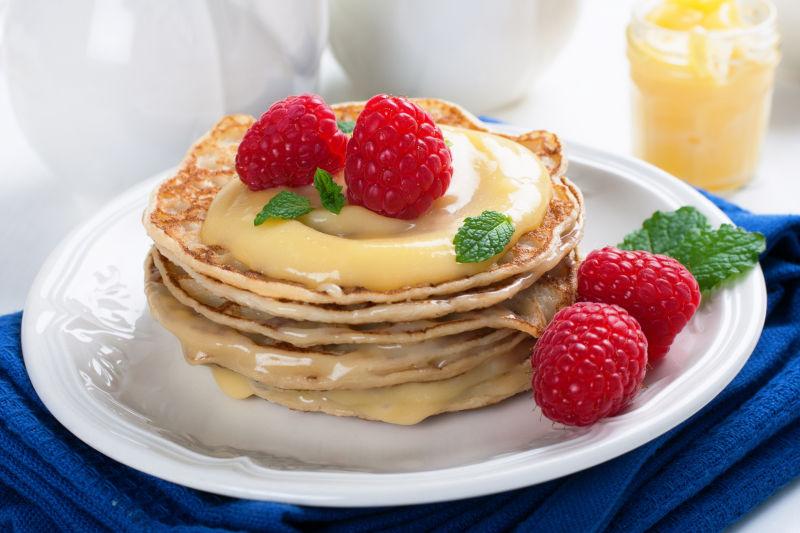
x=346, y=126
x=285, y=205
x=662, y=232
x=330, y=192
x=483, y=237
x=713, y=256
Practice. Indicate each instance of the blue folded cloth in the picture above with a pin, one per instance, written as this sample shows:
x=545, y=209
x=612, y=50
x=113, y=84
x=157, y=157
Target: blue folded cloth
x=701, y=476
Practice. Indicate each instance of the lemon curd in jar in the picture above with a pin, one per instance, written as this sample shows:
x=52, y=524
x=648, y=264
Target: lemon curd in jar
x=702, y=74
x=359, y=248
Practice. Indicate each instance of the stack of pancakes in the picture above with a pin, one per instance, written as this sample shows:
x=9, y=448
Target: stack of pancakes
x=398, y=356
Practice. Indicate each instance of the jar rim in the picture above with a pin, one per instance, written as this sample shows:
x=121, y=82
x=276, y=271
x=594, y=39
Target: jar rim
x=768, y=24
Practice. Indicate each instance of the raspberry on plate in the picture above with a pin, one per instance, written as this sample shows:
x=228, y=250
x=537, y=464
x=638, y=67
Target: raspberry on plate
x=397, y=161
x=657, y=290
x=289, y=142
x=588, y=364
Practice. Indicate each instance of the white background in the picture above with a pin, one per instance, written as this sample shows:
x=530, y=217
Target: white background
x=582, y=98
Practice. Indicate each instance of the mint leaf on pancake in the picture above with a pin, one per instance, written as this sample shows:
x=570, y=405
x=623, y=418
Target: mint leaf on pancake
x=330, y=192
x=346, y=126
x=285, y=205
x=713, y=256
x=716, y=256
x=483, y=237
x=664, y=231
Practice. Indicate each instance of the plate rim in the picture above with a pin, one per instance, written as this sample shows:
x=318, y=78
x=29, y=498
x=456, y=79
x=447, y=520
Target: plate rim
x=349, y=489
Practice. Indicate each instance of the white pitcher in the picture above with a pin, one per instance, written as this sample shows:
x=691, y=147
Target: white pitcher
x=115, y=90
x=479, y=53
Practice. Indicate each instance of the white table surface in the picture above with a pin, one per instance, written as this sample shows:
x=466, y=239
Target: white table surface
x=580, y=98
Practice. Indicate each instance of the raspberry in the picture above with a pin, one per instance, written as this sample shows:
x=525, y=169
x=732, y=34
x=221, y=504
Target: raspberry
x=289, y=142
x=657, y=290
x=588, y=364
x=397, y=161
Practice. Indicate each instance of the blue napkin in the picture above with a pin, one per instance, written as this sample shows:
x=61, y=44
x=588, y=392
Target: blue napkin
x=701, y=476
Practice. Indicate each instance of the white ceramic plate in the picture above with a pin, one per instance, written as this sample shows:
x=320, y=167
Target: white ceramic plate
x=117, y=380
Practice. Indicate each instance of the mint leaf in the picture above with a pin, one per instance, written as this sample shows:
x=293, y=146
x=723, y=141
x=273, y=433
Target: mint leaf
x=284, y=205
x=330, y=192
x=713, y=256
x=482, y=237
x=662, y=232
x=346, y=126
x=716, y=256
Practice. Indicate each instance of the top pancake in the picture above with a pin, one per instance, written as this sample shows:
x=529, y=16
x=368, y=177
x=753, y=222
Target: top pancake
x=178, y=207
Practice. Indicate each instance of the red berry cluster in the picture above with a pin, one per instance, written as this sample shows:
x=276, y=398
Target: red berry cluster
x=590, y=361
x=396, y=163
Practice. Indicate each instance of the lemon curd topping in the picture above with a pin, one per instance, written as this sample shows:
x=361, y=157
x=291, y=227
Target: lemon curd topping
x=359, y=248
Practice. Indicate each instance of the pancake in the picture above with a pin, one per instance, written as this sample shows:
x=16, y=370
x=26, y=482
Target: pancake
x=529, y=311
x=493, y=381
x=323, y=367
x=477, y=298
x=177, y=209
x=460, y=340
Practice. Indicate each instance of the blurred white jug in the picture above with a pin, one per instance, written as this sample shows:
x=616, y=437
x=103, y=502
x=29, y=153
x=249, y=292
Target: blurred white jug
x=477, y=53
x=115, y=90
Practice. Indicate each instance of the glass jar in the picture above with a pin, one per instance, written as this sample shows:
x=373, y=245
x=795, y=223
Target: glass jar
x=701, y=97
